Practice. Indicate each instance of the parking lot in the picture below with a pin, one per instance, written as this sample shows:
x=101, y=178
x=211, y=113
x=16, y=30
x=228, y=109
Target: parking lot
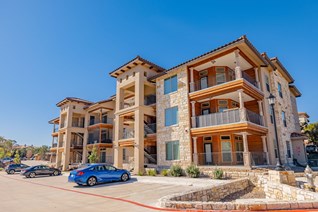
x=56, y=194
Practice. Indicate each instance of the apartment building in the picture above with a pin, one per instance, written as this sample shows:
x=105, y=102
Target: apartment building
x=210, y=110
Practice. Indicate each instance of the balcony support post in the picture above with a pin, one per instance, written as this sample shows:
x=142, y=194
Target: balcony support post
x=246, y=153
x=260, y=107
x=257, y=78
x=195, y=151
x=238, y=71
x=191, y=80
x=265, y=149
x=139, y=142
x=193, y=114
x=242, y=108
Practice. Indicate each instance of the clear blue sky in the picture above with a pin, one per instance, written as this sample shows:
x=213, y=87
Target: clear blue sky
x=53, y=49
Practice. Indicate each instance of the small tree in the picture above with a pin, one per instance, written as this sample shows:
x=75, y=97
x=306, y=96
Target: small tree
x=93, y=156
x=17, y=158
x=311, y=131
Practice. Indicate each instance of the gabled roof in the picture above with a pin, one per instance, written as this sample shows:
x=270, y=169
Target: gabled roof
x=54, y=120
x=282, y=69
x=242, y=39
x=295, y=90
x=99, y=102
x=134, y=62
x=303, y=114
x=73, y=99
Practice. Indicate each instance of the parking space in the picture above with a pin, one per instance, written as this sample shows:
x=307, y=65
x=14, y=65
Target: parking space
x=56, y=194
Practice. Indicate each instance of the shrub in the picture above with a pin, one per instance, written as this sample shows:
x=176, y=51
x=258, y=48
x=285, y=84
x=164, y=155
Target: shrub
x=164, y=172
x=140, y=173
x=217, y=173
x=176, y=170
x=151, y=172
x=1, y=169
x=193, y=171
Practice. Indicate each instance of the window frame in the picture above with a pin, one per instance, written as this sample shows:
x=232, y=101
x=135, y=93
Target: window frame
x=284, y=118
x=168, y=82
x=169, y=113
x=267, y=83
x=280, y=90
x=173, y=157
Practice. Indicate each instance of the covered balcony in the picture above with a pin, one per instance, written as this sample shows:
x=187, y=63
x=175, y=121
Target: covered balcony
x=78, y=120
x=224, y=73
x=235, y=109
x=230, y=149
x=77, y=140
x=100, y=136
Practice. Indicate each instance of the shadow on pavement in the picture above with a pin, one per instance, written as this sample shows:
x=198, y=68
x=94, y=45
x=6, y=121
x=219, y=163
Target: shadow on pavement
x=132, y=180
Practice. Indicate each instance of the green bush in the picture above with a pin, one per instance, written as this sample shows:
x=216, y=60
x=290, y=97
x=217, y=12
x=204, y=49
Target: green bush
x=217, y=173
x=164, y=172
x=176, y=170
x=1, y=169
x=151, y=172
x=193, y=171
x=140, y=173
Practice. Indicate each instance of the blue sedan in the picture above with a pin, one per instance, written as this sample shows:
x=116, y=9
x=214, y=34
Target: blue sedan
x=93, y=174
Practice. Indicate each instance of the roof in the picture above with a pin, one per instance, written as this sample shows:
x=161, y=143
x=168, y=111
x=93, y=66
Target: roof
x=295, y=90
x=73, y=99
x=54, y=120
x=284, y=70
x=242, y=39
x=303, y=114
x=264, y=54
x=99, y=102
x=134, y=62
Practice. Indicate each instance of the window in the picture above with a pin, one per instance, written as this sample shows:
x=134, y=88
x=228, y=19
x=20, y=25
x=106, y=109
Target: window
x=145, y=74
x=284, y=119
x=288, y=149
x=267, y=83
x=127, y=77
x=124, y=154
x=171, y=116
x=222, y=105
x=271, y=115
x=172, y=150
x=171, y=84
x=280, y=92
x=220, y=75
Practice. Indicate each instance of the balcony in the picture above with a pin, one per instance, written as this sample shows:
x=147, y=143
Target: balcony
x=56, y=128
x=226, y=117
x=126, y=104
x=201, y=84
x=228, y=158
x=97, y=141
x=128, y=133
x=61, y=144
x=54, y=145
x=104, y=120
x=78, y=124
x=150, y=128
x=150, y=99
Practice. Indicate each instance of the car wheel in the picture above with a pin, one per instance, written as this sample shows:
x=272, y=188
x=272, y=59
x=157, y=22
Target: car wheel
x=124, y=177
x=32, y=175
x=11, y=171
x=91, y=181
x=55, y=173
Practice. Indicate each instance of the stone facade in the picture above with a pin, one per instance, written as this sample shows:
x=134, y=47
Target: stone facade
x=179, y=132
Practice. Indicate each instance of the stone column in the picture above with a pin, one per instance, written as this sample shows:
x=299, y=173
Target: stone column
x=242, y=108
x=191, y=80
x=265, y=149
x=58, y=158
x=85, y=139
x=246, y=153
x=67, y=150
x=118, y=151
x=260, y=107
x=257, y=78
x=238, y=71
x=193, y=122
x=195, y=151
x=139, y=142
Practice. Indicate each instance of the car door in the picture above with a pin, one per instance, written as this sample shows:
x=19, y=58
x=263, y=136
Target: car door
x=102, y=173
x=112, y=173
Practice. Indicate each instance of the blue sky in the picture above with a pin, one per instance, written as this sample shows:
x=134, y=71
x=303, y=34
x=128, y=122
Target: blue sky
x=53, y=49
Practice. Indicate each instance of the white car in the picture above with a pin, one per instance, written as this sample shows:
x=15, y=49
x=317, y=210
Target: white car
x=6, y=160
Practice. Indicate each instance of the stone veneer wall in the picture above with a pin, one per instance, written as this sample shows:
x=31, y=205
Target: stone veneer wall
x=181, y=131
x=288, y=197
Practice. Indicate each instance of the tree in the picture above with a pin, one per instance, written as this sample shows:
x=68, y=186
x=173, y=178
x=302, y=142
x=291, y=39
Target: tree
x=7, y=145
x=42, y=151
x=17, y=158
x=311, y=131
x=93, y=156
x=2, y=154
